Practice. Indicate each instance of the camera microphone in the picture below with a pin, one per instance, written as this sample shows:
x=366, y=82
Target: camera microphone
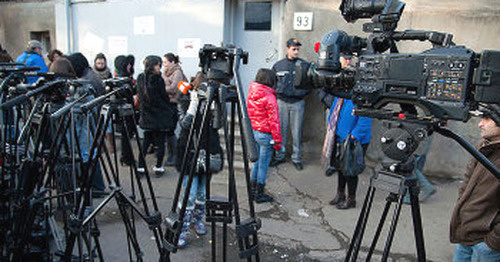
x=184, y=87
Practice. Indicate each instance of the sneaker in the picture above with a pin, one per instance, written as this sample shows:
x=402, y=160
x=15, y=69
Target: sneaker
x=159, y=171
x=298, y=166
x=183, y=239
x=276, y=162
x=200, y=228
x=141, y=171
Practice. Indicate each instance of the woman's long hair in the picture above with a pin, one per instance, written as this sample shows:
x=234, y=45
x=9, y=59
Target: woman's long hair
x=149, y=69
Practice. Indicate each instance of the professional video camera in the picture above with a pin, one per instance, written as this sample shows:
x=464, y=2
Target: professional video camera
x=217, y=62
x=446, y=82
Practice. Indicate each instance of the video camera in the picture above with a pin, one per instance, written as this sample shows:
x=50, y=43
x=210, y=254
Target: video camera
x=447, y=82
x=217, y=62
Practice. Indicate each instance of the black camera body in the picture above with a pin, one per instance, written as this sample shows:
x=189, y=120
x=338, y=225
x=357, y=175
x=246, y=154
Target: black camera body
x=217, y=62
x=438, y=81
x=446, y=82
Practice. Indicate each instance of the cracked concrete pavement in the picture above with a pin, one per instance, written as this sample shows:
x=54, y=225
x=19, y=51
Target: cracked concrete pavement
x=299, y=225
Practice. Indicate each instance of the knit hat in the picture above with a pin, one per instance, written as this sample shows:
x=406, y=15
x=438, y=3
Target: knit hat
x=32, y=44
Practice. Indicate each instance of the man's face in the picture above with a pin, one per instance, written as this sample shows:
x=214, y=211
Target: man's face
x=100, y=63
x=345, y=62
x=488, y=127
x=38, y=50
x=292, y=52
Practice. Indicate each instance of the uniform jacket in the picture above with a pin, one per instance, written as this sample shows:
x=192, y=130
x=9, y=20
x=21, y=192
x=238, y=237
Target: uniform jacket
x=285, y=87
x=31, y=58
x=476, y=216
x=156, y=111
x=359, y=127
x=263, y=111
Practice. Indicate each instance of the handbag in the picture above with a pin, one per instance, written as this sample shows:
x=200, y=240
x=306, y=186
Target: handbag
x=352, y=158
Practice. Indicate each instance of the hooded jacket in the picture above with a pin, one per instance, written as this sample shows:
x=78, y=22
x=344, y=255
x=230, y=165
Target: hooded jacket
x=32, y=58
x=263, y=110
x=122, y=64
x=476, y=216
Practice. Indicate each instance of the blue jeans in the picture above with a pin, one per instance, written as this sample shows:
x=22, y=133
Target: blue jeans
x=265, y=149
x=85, y=140
x=293, y=114
x=197, y=194
x=480, y=252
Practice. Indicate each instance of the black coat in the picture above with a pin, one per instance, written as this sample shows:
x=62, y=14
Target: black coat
x=156, y=111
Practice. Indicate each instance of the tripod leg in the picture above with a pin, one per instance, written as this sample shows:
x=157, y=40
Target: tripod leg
x=417, y=223
x=392, y=230
x=357, y=237
x=380, y=225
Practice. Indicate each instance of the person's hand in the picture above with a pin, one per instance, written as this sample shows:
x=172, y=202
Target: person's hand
x=277, y=146
x=193, y=105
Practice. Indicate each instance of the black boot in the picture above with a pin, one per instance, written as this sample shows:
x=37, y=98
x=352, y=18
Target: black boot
x=253, y=188
x=349, y=203
x=261, y=197
x=338, y=199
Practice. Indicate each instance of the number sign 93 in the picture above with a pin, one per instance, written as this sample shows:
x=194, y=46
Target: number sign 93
x=302, y=21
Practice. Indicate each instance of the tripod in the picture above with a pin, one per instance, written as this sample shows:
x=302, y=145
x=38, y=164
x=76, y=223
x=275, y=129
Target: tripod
x=82, y=223
x=218, y=209
x=398, y=143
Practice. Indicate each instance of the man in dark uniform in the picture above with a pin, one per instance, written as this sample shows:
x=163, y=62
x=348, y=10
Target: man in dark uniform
x=291, y=103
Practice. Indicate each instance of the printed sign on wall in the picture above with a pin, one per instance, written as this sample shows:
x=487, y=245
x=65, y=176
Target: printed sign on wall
x=188, y=47
x=117, y=45
x=144, y=25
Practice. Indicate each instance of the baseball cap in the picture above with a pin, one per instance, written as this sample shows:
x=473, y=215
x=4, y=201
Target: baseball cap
x=293, y=42
x=34, y=44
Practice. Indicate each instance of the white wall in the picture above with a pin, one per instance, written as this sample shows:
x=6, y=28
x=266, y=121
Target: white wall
x=95, y=23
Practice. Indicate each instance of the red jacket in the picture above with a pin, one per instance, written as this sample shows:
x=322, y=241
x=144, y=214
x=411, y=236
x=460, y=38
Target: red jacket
x=262, y=108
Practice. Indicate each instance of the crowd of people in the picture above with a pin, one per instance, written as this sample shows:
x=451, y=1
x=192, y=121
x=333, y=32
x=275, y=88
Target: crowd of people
x=275, y=108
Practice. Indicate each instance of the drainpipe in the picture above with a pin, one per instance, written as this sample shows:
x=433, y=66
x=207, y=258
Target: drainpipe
x=69, y=26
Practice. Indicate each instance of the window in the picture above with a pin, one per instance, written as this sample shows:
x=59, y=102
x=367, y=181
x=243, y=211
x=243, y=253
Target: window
x=44, y=38
x=258, y=16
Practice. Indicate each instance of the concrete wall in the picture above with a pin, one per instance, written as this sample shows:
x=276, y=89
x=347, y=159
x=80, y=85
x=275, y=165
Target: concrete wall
x=473, y=24
x=17, y=20
x=97, y=23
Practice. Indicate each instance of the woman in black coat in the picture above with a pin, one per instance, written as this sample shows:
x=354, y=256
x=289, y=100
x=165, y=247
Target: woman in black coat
x=158, y=117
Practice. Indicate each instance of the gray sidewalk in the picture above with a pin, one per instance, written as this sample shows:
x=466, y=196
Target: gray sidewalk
x=299, y=225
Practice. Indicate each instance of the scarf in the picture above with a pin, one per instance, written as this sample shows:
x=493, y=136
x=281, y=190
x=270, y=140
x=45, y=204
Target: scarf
x=330, y=133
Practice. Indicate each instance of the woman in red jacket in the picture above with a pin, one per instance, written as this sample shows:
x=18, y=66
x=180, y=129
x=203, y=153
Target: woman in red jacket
x=264, y=116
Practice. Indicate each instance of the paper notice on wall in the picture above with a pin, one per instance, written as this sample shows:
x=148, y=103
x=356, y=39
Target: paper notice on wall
x=188, y=47
x=117, y=45
x=92, y=43
x=144, y=25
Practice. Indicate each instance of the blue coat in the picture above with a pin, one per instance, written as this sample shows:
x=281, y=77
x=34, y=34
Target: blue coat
x=359, y=127
x=31, y=58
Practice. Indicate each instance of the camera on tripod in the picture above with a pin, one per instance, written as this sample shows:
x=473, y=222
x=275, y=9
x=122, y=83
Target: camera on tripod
x=446, y=82
x=217, y=62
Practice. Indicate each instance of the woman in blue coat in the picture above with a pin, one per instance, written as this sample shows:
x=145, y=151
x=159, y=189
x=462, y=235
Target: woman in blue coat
x=344, y=125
